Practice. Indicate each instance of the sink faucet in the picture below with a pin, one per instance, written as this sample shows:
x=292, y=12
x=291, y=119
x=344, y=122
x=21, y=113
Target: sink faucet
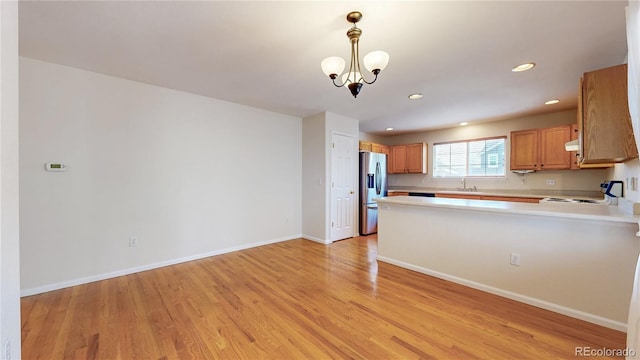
x=464, y=185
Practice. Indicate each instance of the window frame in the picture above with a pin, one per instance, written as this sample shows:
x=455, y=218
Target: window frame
x=467, y=141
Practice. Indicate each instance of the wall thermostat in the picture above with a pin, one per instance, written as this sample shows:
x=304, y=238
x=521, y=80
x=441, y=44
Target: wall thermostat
x=55, y=167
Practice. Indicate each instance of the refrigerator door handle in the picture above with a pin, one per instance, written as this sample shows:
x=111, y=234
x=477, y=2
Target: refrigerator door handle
x=378, y=179
x=372, y=207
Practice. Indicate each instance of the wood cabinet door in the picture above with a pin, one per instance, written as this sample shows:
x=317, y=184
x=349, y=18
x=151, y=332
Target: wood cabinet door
x=512, y=199
x=385, y=150
x=365, y=146
x=398, y=193
x=573, y=155
x=460, y=196
x=580, y=121
x=524, y=150
x=553, y=154
x=416, y=158
x=606, y=123
x=398, y=159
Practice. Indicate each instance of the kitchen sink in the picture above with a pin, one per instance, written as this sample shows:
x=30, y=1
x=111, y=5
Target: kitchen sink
x=468, y=189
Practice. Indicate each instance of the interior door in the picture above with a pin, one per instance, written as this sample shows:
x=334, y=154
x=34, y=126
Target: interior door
x=343, y=172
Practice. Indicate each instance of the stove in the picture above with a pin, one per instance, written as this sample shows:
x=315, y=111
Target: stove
x=572, y=201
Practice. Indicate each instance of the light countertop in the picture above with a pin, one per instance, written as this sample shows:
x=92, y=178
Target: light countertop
x=596, y=195
x=566, y=210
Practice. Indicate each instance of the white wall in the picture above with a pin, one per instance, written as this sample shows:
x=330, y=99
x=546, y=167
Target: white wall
x=189, y=176
x=371, y=137
x=314, y=180
x=564, y=179
x=625, y=172
x=9, y=222
x=317, y=143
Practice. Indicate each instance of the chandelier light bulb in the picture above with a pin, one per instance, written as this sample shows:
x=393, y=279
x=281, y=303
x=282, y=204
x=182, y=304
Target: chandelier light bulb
x=333, y=65
x=352, y=77
x=376, y=60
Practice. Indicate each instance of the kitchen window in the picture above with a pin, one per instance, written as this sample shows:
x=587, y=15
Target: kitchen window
x=469, y=158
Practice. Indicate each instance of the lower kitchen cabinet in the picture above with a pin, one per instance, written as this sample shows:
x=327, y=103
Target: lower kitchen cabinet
x=398, y=193
x=513, y=199
x=460, y=196
x=491, y=197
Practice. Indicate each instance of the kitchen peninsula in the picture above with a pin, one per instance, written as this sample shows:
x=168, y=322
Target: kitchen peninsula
x=578, y=260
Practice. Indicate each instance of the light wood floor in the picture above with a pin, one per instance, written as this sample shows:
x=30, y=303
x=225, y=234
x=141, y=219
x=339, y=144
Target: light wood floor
x=295, y=300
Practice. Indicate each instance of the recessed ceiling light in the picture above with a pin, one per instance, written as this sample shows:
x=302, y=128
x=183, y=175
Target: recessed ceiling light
x=389, y=129
x=415, y=96
x=523, y=67
x=464, y=123
x=551, y=102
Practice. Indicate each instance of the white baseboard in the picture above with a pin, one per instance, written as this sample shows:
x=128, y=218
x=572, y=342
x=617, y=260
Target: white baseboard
x=595, y=319
x=313, y=238
x=128, y=271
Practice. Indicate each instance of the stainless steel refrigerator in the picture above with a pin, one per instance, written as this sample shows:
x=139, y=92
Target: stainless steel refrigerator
x=373, y=184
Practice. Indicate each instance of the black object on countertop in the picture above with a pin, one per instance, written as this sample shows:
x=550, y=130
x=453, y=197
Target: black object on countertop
x=422, y=194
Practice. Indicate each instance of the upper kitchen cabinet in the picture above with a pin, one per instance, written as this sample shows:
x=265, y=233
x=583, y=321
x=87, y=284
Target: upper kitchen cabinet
x=604, y=124
x=575, y=158
x=524, y=149
x=365, y=146
x=553, y=155
x=373, y=147
x=377, y=148
x=540, y=149
x=409, y=158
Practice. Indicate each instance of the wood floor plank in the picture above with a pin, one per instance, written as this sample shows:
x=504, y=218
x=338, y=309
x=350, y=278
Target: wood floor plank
x=295, y=300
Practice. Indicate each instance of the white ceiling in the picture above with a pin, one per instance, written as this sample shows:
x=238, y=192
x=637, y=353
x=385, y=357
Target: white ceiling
x=267, y=54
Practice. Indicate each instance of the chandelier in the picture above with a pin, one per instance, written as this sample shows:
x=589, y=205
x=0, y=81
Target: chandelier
x=374, y=61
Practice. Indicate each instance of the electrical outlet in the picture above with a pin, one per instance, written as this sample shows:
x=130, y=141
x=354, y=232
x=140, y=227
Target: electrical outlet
x=133, y=241
x=515, y=259
x=551, y=182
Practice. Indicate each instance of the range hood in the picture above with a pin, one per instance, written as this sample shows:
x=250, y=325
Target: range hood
x=522, y=172
x=572, y=145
